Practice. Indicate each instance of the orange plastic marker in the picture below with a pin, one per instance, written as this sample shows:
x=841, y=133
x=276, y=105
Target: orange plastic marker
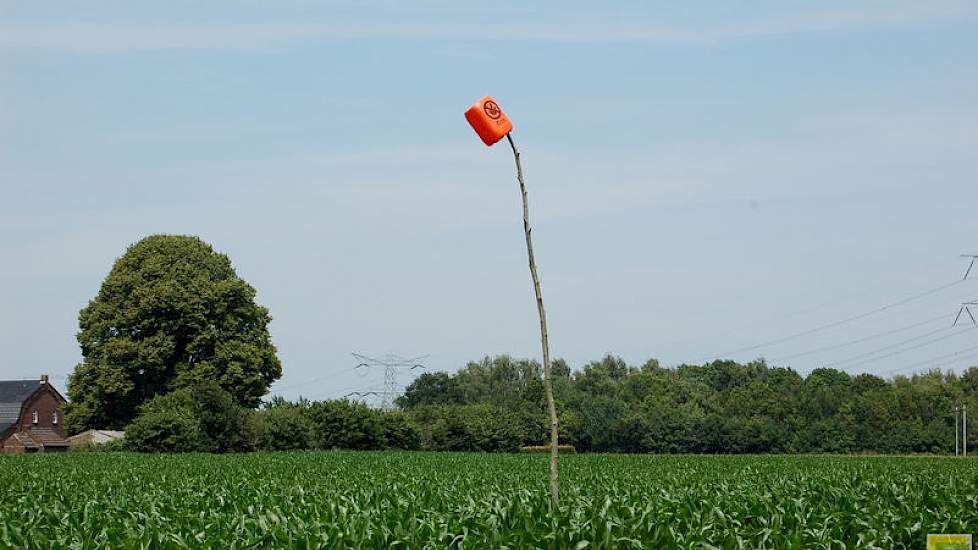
x=488, y=120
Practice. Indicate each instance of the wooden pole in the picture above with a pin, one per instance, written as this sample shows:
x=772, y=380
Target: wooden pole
x=548, y=386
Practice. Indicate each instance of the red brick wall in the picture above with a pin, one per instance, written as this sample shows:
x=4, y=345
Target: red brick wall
x=11, y=446
x=45, y=402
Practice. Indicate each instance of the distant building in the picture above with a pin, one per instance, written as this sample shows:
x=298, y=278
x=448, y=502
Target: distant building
x=95, y=437
x=31, y=417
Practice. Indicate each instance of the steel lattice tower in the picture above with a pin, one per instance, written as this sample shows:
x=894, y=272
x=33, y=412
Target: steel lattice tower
x=391, y=364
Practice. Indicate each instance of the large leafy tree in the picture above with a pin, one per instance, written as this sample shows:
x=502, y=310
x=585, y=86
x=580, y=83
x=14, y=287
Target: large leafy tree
x=431, y=389
x=171, y=313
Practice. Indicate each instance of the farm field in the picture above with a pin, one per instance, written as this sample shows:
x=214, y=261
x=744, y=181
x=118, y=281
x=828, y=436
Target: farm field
x=345, y=499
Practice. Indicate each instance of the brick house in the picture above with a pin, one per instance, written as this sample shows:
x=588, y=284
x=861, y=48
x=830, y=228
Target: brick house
x=31, y=417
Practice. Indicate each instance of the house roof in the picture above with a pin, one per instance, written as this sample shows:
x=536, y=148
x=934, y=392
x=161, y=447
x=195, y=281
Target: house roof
x=47, y=437
x=13, y=393
x=95, y=436
x=17, y=391
x=26, y=440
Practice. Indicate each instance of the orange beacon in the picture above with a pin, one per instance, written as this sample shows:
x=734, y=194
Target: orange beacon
x=488, y=120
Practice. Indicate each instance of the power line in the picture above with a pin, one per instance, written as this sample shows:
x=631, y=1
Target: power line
x=346, y=391
x=854, y=295
x=305, y=382
x=965, y=308
x=860, y=340
x=839, y=298
x=956, y=355
x=898, y=352
x=834, y=324
x=362, y=372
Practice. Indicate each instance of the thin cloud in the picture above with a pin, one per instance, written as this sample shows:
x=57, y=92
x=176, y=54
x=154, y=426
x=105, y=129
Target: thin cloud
x=114, y=37
x=398, y=156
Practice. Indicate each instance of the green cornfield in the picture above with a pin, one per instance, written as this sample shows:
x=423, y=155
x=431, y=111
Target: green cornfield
x=344, y=499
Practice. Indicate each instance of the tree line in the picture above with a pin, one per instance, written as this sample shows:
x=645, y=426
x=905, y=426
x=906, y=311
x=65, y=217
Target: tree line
x=177, y=352
x=498, y=405
x=718, y=407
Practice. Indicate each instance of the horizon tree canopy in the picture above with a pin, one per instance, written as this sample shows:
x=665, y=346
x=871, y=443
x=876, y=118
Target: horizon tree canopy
x=172, y=312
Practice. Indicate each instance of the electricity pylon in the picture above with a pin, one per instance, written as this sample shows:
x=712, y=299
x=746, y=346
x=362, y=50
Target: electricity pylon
x=392, y=364
x=965, y=309
x=973, y=257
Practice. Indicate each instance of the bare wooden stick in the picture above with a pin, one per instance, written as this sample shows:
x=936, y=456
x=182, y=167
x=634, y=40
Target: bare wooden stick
x=547, y=384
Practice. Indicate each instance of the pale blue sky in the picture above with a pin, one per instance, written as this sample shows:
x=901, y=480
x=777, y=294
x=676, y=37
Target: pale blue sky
x=701, y=179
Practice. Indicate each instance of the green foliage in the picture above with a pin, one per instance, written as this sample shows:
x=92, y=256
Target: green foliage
x=348, y=500
x=284, y=428
x=431, y=388
x=446, y=430
x=719, y=407
x=493, y=428
x=203, y=418
x=492, y=378
x=400, y=431
x=167, y=423
x=477, y=427
x=226, y=425
x=344, y=424
x=170, y=314
x=597, y=417
x=113, y=446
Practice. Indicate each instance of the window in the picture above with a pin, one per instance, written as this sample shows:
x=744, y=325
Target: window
x=54, y=417
x=34, y=417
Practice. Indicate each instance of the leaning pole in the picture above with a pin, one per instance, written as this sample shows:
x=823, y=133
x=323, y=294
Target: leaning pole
x=489, y=121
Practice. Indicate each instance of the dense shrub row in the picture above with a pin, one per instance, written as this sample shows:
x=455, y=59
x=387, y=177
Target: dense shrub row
x=205, y=419
x=498, y=404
